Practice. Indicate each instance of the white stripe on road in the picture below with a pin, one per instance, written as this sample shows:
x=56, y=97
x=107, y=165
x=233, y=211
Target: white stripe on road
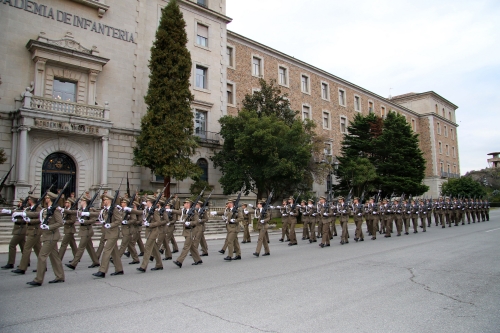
x=492, y=230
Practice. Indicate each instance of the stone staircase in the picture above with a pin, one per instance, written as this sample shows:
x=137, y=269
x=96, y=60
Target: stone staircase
x=212, y=227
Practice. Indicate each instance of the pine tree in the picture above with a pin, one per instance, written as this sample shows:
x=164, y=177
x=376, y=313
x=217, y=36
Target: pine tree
x=166, y=141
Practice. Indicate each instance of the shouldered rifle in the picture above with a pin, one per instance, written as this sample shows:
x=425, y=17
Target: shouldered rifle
x=39, y=201
x=55, y=204
x=130, y=204
x=25, y=201
x=234, y=211
x=153, y=207
x=113, y=203
x=266, y=205
x=5, y=178
x=75, y=205
x=91, y=202
x=294, y=205
x=205, y=205
x=190, y=212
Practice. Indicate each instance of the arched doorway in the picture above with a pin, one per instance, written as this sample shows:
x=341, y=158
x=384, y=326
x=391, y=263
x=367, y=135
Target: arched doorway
x=59, y=168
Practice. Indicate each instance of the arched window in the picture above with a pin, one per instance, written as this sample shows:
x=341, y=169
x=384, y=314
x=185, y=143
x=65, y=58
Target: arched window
x=58, y=168
x=203, y=164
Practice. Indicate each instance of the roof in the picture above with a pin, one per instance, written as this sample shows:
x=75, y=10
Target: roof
x=422, y=94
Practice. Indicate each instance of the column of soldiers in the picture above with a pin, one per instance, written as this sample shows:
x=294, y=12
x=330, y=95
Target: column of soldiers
x=35, y=229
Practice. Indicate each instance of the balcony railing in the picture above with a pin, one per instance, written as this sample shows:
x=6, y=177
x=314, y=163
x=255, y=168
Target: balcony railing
x=449, y=175
x=66, y=108
x=209, y=137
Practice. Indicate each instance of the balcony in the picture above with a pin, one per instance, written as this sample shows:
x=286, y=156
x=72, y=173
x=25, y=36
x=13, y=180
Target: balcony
x=209, y=138
x=66, y=108
x=449, y=175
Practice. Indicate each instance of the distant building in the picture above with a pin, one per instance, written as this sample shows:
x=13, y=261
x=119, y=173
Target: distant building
x=494, y=161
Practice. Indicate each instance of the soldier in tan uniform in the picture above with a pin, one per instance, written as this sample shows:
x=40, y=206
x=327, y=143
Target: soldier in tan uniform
x=304, y=219
x=199, y=238
x=111, y=228
x=358, y=212
x=190, y=223
x=86, y=219
x=233, y=226
x=310, y=213
x=50, y=235
x=32, y=235
x=153, y=221
x=263, y=222
x=135, y=221
x=343, y=210
x=69, y=220
x=128, y=229
x=284, y=222
x=324, y=213
x=247, y=219
x=18, y=234
x=169, y=234
x=293, y=213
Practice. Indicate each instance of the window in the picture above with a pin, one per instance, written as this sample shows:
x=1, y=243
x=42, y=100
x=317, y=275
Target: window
x=202, y=3
x=203, y=164
x=370, y=107
x=447, y=150
x=325, y=91
x=326, y=120
x=439, y=128
x=452, y=134
x=449, y=170
x=328, y=149
x=444, y=113
x=413, y=125
x=445, y=131
x=201, y=77
x=382, y=112
x=306, y=112
x=230, y=56
x=437, y=110
x=202, y=35
x=305, y=84
x=440, y=147
x=283, y=75
x=342, y=97
x=343, y=124
x=256, y=66
x=200, y=123
x=449, y=115
x=454, y=153
x=357, y=103
x=230, y=93
x=64, y=90
x=442, y=167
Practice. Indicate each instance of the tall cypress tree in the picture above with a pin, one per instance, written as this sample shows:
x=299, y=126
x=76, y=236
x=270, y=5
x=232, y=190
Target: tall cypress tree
x=166, y=141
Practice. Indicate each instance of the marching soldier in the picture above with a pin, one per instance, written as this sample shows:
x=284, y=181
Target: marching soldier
x=385, y=215
x=233, y=226
x=189, y=225
x=128, y=230
x=482, y=210
x=304, y=220
x=86, y=220
x=50, y=235
x=263, y=226
x=466, y=205
x=448, y=211
x=397, y=218
x=368, y=216
x=323, y=212
x=136, y=223
x=406, y=215
x=373, y=211
x=170, y=228
x=111, y=232
x=441, y=208
x=423, y=212
x=435, y=210
x=33, y=235
x=199, y=239
x=18, y=233
x=357, y=212
x=310, y=213
x=284, y=221
x=414, y=210
x=247, y=219
x=343, y=210
x=153, y=222
x=293, y=212
x=487, y=210
x=69, y=219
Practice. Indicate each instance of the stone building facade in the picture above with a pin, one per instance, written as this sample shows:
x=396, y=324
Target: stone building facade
x=74, y=73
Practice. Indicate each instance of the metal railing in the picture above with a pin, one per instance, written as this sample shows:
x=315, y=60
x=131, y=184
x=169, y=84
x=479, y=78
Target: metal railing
x=209, y=137
x=449, y=175
x=67, y=108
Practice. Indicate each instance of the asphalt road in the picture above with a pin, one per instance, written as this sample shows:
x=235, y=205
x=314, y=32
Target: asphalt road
x=444, y=280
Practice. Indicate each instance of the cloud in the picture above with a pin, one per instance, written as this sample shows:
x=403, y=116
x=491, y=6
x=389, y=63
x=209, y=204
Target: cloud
x=448, y=46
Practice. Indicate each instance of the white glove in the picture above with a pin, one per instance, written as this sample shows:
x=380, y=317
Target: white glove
x=127, y=209
x=107, y=225
x=144, y=203
x=16, y=214
x=6, y=211
x=64, y=221
x=213, y=213
x=44, y=227
x=279, y=207
x=199, y=220
x=245, y=211
x=314, y=214
x=168, y=210
x=61, y=209
x=292, y=214
x=23, y=214
x=187, y=224
x=81, y=221
x=344, y=211
x=272, y=207
x=85, y=214
x=119, y=207
x=359, y=214
x=124, y=222
x=250, y=205
x=409, y=212
x=325, y=214
x=262, y=221
x=233, y=220
x=146, y=223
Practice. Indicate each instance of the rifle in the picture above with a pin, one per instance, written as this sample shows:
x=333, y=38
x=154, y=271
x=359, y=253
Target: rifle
x=205, y=205
x=25, y=201
x=130, y=204
x=75, y=205
x=158, y=197
x=292, y=208
x=52, y=209
x=236, y=204
x=113, y=204
x=91, y=202
x=190, y=212
x=39, y=201
x=266, y=205
x=128, y=187
x=362, y=197
x=5, y=178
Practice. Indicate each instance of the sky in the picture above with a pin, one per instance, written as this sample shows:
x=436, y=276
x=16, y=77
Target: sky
x=392, y=47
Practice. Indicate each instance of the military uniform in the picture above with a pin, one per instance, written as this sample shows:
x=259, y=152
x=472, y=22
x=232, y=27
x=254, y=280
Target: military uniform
x=69, y=219
x=423, y=212
x=233, y=226
x=33, y=235
x=128, y=230
x=49, y=236
x=358, y=212
x=310, y=215
x=18, y=236
x=293, y=213
x=324, y=214
x=263, y=222
x=86, y=217
x=343, y=210
x=153, y=222
x=247, y=219
x=189, y=231
x=385, y=215
x=284, y=223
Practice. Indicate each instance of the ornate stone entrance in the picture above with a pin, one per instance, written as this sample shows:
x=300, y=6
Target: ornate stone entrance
x=59, y=168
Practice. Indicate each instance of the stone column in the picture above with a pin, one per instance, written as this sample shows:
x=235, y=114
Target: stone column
x=22, y=155
x=92, y=87
x=40, y=76
x=104, y=170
